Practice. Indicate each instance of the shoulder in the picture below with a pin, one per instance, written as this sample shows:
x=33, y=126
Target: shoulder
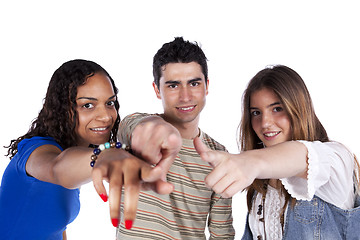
x=130, y=121
x=211, y=143
x=328, y=148
x=31, y=144
x=27, y=147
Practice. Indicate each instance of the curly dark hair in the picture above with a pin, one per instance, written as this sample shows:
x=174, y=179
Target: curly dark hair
x=58, y=117
x=178, y=51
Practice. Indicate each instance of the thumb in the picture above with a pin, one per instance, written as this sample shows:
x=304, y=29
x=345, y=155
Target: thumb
x=206, y=154
x=200, y=147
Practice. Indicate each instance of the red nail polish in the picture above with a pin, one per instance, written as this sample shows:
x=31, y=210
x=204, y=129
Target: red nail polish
x=128, y=224
x=104, y=197
x=115, y=222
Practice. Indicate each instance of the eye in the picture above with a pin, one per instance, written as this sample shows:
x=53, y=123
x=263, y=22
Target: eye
x=278, y=109
x=88, y=105
x=255, y=113
x=172, y=86
x=194, y=84
x=110, y=103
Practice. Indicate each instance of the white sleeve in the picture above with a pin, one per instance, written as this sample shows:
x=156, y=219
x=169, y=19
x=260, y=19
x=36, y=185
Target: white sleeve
x=330, y=175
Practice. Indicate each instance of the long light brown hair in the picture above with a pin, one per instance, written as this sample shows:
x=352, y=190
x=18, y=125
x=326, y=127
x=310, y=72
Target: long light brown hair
x=295, y=97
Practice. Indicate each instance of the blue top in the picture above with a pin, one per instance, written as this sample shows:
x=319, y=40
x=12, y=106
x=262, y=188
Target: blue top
x=30, y=208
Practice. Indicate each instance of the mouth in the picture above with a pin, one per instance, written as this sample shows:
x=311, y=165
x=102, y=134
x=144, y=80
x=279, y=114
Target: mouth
x=186, y=108
x=269, y=135
x=100, y=129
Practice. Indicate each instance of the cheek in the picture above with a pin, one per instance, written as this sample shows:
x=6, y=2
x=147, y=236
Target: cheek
x=169, y=97
x=114, y=115
x=255, y=124
x=200, y=92
x=83, y=120
x=285, y=124
x=256, y=127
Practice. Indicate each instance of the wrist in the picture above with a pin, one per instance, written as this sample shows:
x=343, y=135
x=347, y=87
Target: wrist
x=258, y=164
x=102, y=147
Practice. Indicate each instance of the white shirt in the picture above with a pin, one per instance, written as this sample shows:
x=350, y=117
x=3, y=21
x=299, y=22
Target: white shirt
x=330, y=177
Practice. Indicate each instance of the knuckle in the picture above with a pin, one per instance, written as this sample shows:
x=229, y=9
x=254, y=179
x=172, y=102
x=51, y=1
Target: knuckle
x=216, y=189
x=115, y=182
x=133, y=187
x=226, y=195
x=96, y=173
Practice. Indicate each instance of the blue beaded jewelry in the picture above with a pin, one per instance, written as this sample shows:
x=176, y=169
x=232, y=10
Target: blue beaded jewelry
x=104, y=146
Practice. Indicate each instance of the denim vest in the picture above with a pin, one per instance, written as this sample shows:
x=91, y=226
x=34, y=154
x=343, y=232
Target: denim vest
x=317, y=219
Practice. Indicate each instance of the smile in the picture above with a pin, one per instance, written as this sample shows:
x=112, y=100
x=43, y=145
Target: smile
x=186, y=109
x=99, y=129
x=271, y=134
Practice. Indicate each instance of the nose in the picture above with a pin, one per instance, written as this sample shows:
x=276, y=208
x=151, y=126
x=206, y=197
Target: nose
x=266, y=120
x=185, y=94
x=103, y=114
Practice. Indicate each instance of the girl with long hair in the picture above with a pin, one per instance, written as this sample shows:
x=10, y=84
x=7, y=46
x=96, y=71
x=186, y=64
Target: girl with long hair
x=71, y=142
x=300, y=185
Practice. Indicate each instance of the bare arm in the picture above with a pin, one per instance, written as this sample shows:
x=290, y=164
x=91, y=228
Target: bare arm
x=234, y=172
x=71, y=168
x=283, y=160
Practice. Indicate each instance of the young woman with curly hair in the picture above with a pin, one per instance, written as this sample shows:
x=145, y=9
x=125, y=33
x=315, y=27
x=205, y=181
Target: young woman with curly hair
x=300, y=185
x=39, y=194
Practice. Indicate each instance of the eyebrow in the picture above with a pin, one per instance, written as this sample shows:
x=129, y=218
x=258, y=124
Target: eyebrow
x=275, y=103
x=94, y=99
x=271, y=105
x=172, y=82
x=178, y=81
x=194, y=80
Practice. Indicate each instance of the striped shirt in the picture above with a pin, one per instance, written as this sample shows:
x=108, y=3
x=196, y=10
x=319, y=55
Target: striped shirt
x=184, y=213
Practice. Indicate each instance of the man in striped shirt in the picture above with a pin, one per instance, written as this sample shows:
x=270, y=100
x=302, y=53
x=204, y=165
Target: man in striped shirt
x=181, y=82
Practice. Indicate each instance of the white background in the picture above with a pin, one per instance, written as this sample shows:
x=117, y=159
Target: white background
x=318, y=39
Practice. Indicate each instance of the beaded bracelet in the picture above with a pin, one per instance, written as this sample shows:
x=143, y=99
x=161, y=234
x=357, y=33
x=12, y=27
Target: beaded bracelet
x=104, y=146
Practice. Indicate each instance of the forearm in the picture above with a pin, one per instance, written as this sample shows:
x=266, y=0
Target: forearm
x=72, y=167
x=234, y=172
x=283, y=160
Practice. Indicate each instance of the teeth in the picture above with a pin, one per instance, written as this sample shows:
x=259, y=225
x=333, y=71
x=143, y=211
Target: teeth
x=187, y=108
x=98, y=129
x=271, y=134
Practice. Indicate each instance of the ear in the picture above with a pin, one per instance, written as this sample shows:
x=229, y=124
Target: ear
x=157, y=91
x=207, y=86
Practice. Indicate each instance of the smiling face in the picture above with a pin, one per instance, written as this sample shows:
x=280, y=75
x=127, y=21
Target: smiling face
x=269, y=119
x=183, y=90
x=96, y=110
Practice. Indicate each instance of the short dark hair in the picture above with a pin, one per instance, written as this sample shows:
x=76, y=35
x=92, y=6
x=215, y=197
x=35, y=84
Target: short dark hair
x=178, y=51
